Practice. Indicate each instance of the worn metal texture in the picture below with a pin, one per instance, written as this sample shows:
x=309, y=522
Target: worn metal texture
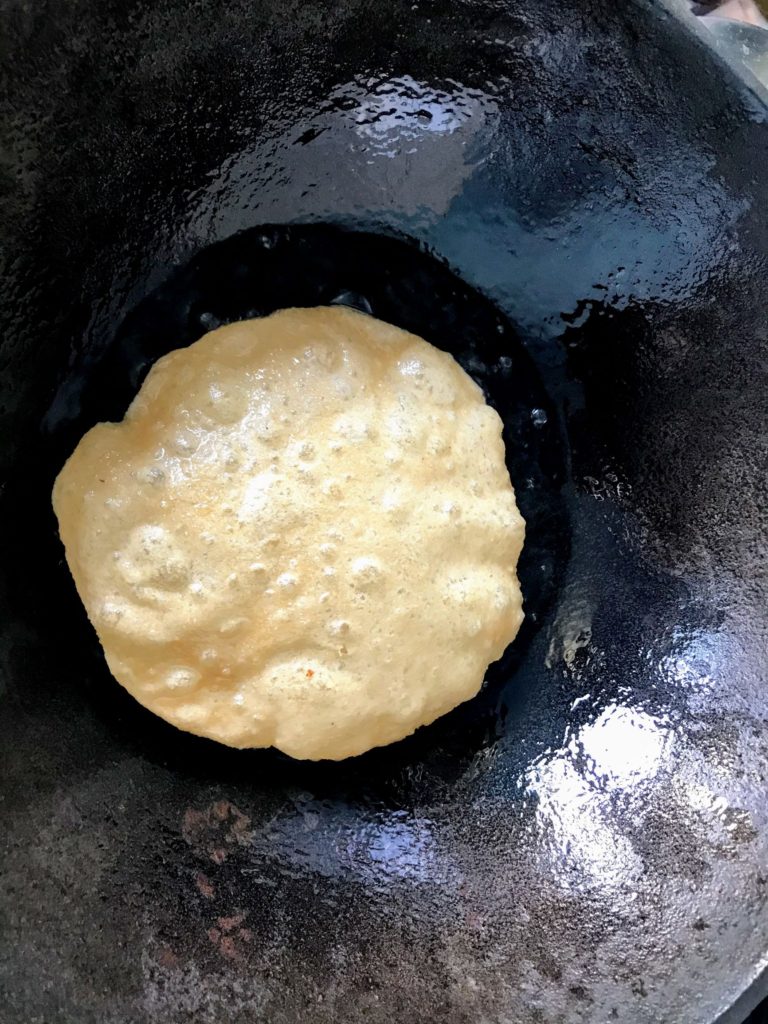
x=587, y=840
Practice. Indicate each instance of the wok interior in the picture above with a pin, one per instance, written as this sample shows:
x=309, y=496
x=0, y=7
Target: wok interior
x=566, y=201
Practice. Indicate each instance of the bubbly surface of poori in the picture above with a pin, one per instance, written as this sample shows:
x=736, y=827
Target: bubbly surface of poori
x=303, y=535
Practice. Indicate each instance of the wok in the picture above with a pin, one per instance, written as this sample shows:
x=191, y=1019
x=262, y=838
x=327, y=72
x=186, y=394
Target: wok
x=571, y=198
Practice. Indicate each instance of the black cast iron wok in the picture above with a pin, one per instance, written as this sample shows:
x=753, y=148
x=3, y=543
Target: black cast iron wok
x=572, y=198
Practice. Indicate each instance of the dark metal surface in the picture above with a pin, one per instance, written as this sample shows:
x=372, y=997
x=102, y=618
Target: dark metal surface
x=586, y=842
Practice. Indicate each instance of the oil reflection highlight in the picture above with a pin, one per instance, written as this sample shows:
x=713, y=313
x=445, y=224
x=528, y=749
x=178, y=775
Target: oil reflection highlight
x=576, y=790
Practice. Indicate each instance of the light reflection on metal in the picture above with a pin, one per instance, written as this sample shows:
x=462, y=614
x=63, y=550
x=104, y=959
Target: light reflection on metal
x=327, y=840
x=583, y=847
x=393, y=115
x=624, y=745
x=340, y=149
x=400, y=847
x=618, y=751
